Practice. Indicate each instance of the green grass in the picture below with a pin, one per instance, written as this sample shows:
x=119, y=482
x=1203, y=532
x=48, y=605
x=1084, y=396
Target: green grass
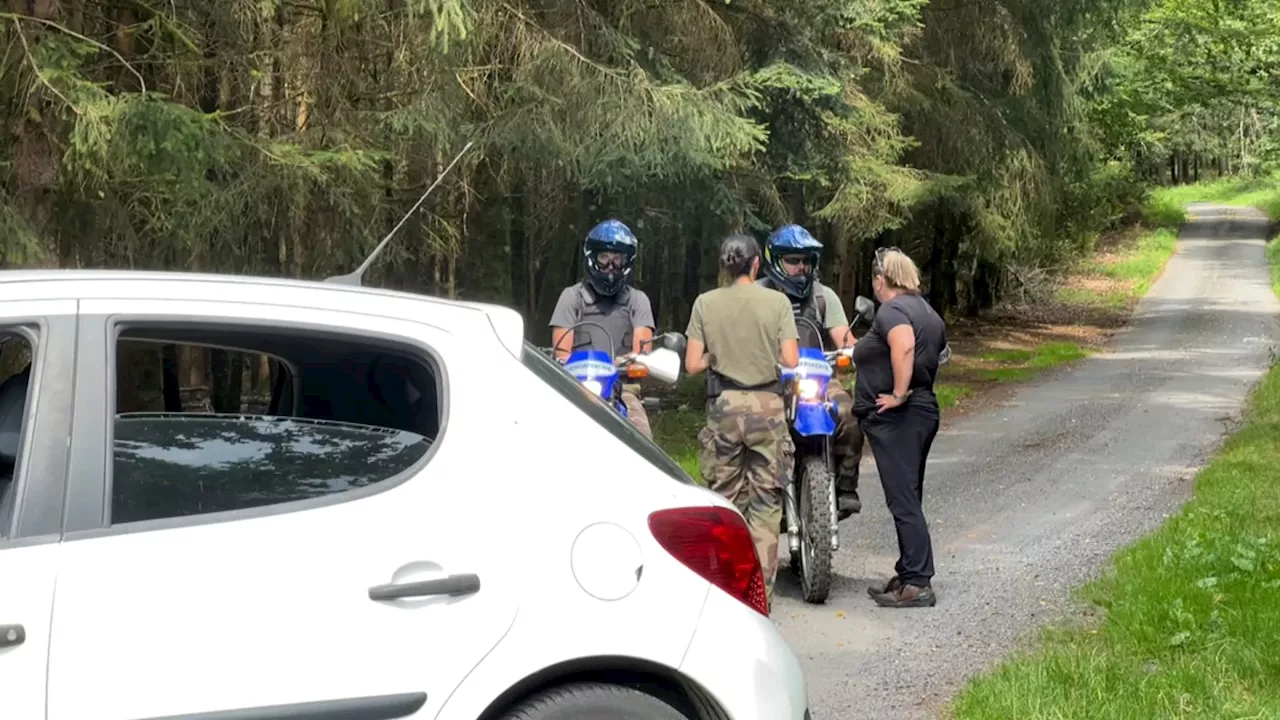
x=676, y=425
x=1192, y=611
x=1273, y=257
x=950, y=395
x=1025, y=362
x=1143, y=263
x=675, y=430
x=1138, y=266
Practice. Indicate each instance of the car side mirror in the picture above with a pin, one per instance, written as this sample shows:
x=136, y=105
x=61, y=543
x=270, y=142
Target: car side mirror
x=864, y=310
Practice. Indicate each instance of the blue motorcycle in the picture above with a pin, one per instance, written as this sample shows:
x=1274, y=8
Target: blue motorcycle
x=809, y=502
x=603, y=376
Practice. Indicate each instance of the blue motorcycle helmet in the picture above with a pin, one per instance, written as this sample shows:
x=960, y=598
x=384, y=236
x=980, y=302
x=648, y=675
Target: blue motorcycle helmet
x=609, y=256
x=792, y=241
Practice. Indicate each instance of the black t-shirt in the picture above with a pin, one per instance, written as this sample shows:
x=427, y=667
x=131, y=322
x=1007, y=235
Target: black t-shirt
x=871, y=354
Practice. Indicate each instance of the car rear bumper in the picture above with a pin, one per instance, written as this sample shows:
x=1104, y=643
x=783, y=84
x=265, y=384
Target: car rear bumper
x=741, y=661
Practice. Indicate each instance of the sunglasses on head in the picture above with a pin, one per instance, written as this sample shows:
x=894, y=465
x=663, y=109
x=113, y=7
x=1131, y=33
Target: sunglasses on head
x=878, y=264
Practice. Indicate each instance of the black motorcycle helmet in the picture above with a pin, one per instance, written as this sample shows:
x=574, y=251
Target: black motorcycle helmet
x=610, y=236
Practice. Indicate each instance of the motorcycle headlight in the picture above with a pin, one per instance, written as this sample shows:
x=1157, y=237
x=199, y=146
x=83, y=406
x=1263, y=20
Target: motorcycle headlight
x=807, y=389
x=593, y=385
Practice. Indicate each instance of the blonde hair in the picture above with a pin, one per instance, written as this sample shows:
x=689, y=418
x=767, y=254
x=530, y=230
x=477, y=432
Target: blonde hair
x=898, y=270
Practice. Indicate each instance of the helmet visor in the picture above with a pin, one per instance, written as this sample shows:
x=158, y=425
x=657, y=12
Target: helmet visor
x=609, y=261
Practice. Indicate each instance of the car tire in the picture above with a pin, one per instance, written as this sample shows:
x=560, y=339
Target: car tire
x=592, y=701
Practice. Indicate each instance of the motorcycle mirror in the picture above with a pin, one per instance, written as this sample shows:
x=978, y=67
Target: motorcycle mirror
x=673, y=341
x=663, y=364
x=864, y=309
x=944, y=357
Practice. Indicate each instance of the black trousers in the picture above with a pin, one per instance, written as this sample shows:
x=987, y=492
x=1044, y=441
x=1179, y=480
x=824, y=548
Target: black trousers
x=900, y=440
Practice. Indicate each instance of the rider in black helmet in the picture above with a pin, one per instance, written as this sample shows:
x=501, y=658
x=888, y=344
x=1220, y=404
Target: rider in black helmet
x=607, y=298
x=791, y=265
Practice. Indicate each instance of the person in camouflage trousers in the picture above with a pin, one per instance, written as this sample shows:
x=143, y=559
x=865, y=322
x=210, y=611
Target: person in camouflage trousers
x=747, y=456
x=739, y=334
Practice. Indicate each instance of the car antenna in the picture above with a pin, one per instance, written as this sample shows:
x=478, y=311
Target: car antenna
x=353, y=278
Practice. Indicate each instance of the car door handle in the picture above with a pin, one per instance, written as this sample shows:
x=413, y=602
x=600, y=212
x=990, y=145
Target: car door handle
x=11, y=635
x=452, y=585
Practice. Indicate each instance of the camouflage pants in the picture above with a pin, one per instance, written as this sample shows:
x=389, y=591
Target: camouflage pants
x=747, y=456
x=846, y=446
x=636, y=414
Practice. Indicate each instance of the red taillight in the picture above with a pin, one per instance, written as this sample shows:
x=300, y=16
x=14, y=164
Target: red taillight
x=715, y=543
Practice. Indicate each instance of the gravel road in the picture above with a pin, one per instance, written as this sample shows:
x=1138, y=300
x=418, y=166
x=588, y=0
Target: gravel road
x=1028, y=501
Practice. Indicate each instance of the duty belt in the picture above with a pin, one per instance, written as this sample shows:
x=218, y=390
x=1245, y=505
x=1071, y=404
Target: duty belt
x=717, y=383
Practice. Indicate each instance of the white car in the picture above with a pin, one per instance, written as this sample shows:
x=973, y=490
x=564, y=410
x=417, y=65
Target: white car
x=399, y=509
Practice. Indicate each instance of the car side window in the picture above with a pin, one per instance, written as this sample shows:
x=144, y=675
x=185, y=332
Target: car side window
x=16, y=353
x=219, y=421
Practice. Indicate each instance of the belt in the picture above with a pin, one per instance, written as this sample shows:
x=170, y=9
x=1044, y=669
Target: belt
x=773, y=386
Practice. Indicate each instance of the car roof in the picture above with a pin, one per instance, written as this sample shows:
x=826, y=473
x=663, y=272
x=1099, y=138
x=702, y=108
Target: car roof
x=174, y=285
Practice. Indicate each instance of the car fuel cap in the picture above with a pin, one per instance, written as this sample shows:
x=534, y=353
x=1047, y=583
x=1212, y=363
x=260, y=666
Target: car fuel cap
x=607, y=561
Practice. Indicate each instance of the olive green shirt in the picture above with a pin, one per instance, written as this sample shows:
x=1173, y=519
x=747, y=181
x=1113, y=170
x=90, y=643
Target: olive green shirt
x=743, y=327
x=836, y=316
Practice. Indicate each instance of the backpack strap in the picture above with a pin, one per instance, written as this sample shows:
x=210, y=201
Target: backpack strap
x=820, y=301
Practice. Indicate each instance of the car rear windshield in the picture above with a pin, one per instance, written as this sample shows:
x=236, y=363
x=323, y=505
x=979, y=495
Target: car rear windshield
x=168, y=465
x=567, y=385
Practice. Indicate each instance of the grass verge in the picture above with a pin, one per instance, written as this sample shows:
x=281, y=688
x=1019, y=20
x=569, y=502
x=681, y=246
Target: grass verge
x=1192, y=625
x=1192, y=611
x=1116, y=278
x=1020, y=364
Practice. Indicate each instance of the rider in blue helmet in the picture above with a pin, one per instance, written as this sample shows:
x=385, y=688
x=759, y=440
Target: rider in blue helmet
x=791, y=261
x=605, y=297
x=791, y=258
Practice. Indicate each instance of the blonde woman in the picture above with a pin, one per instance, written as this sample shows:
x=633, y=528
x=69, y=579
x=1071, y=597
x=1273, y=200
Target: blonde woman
x=894, y=402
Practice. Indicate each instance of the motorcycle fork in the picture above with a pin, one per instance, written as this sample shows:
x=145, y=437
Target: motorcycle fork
x=791, y=497
x=791, y=505
x=827, y=459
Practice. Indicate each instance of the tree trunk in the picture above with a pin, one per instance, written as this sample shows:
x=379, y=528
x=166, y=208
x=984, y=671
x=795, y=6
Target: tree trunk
x=172, y=385
x=228, y=379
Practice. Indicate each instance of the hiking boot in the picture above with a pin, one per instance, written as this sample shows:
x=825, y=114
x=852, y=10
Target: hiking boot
x=905, y=596
x=847, y=503
x=891, y=585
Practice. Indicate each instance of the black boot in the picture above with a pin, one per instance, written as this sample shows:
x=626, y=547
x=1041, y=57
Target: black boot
x=847, y=503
